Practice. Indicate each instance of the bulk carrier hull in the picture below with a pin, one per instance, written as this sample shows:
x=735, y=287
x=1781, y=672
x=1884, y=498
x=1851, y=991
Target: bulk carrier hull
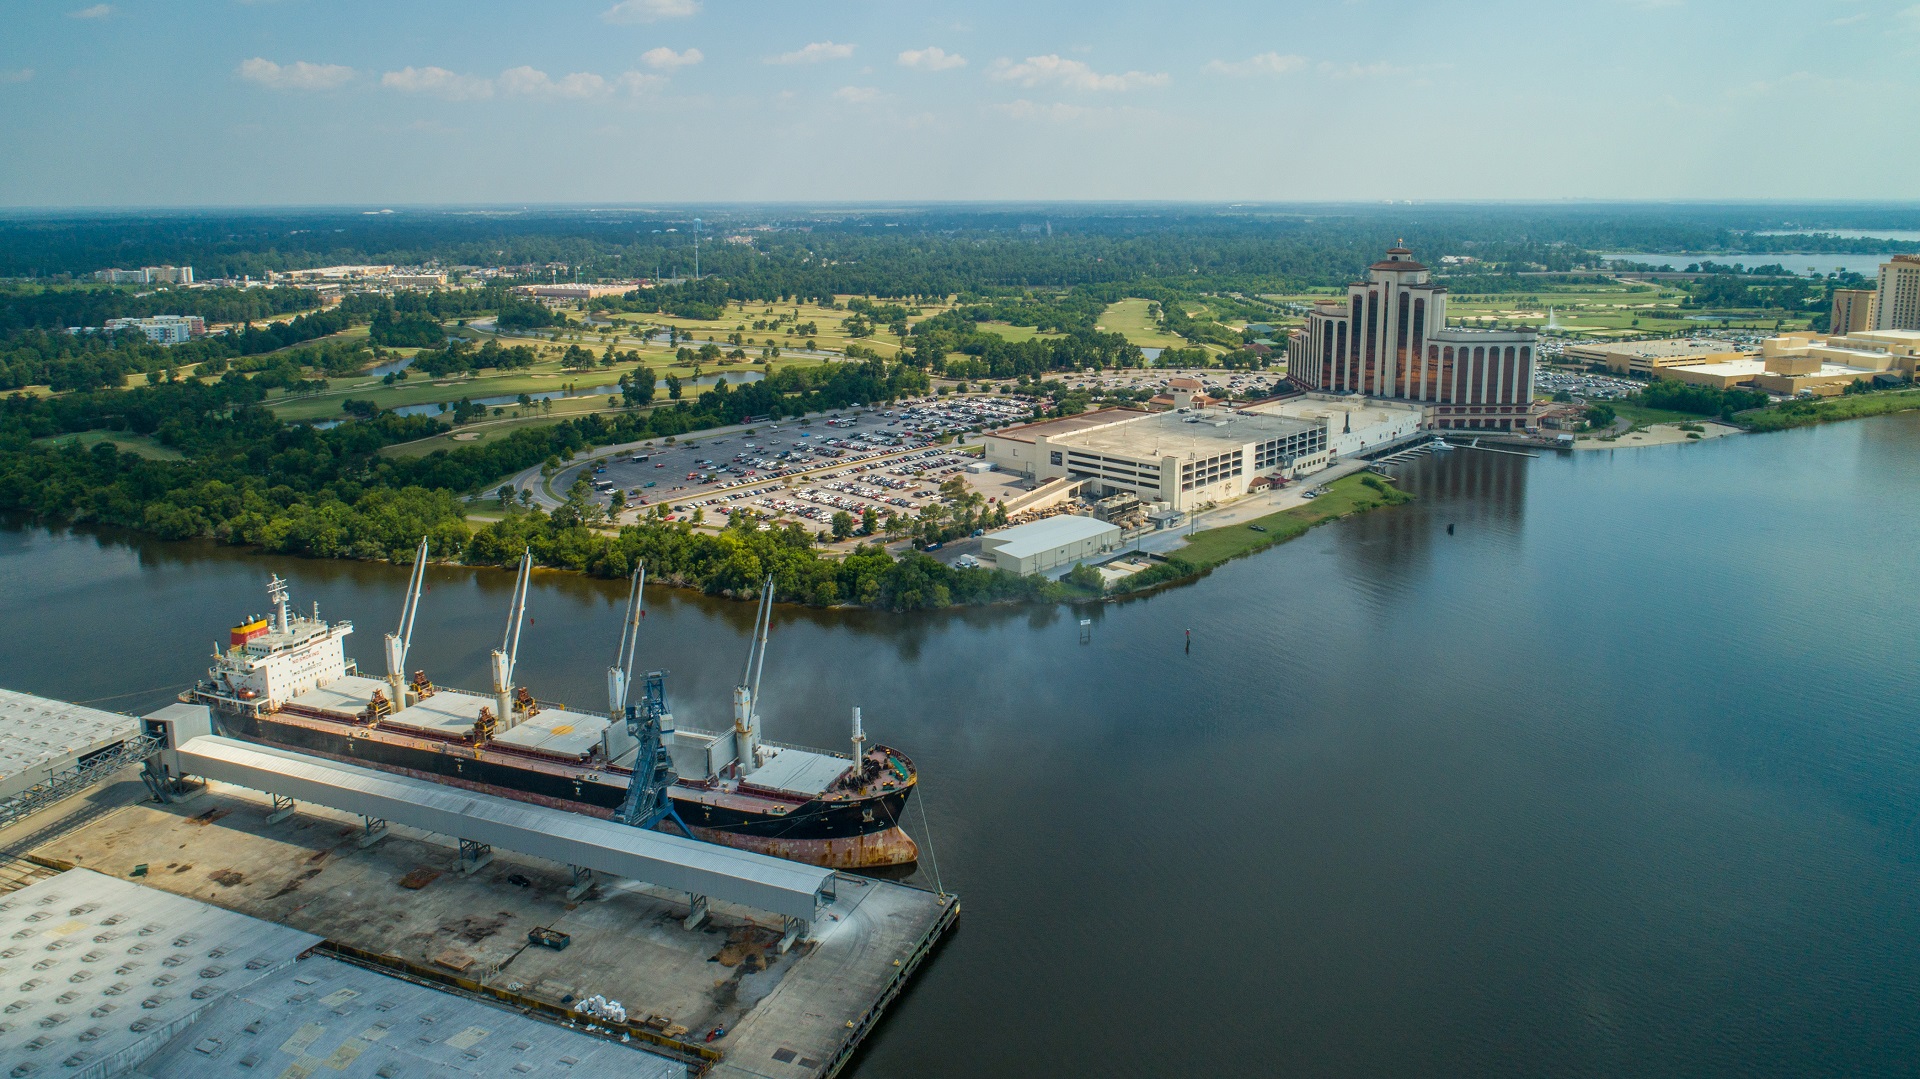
x=857, y=833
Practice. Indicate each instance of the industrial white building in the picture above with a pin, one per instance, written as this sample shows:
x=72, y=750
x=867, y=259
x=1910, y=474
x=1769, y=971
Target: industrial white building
x=1354, y=424
x=160, y=329
x=1050, y=543
x=1184, y=459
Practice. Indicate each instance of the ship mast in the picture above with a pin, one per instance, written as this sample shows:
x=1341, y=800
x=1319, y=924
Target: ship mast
x=401, y=638
x=620, y=675
x=746, y=695
x=509, y=650
x=277, y=593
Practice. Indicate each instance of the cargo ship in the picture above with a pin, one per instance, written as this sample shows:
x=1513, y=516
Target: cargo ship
x=284, y=679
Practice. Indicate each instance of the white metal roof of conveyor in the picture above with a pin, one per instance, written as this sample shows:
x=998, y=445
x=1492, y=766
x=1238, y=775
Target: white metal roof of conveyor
x=722, y=873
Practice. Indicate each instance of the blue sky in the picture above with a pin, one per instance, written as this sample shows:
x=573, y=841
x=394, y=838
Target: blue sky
x=219, y=102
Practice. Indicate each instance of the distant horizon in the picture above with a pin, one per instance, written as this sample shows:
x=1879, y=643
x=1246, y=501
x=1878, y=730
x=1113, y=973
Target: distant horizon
x=141, y=104
x=521, y=206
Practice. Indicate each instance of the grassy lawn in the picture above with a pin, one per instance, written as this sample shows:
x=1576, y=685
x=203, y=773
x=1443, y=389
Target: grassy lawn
x=1129, y=318
x=125, y=440
x=1851, y=407
x=490, y=430
x=1015, y=334
x=1589, y=311
x=1642, y=417
x=1350, y=494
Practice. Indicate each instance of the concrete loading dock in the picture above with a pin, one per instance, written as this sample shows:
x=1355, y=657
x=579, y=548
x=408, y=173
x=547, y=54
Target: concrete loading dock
x=800, y=1014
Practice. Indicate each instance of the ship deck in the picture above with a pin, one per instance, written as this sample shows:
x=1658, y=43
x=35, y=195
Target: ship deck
x=800, y=1015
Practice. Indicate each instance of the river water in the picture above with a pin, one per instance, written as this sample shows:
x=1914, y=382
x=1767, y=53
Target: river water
x=1619, y=778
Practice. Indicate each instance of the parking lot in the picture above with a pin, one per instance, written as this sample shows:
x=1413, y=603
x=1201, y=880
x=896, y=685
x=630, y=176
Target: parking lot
x=846, y=460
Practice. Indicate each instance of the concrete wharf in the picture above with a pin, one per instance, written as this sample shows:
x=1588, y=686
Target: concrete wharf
x=404, y=905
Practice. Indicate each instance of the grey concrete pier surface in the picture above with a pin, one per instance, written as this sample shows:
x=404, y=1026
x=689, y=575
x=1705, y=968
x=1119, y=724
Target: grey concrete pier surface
x=404, y=903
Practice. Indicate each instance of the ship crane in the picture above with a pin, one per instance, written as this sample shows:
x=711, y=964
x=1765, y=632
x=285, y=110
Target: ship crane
x=401, y=638
x=503, y=658
x=647, y=723
x=746, y=695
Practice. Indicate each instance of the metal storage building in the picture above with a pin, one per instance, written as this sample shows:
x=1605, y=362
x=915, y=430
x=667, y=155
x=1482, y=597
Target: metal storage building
x=1049, y=544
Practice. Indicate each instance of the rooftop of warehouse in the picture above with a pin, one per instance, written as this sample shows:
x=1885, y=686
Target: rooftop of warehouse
x=37, y=731
x=1187, y=434
x=1046, y=534
x=1028, y=432
x=361, y=1024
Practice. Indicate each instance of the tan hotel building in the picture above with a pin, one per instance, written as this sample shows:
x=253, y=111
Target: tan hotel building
x=1390, y=339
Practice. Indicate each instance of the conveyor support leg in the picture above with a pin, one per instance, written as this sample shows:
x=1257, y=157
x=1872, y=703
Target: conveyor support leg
x=374, y=831
x=282, y=809
x=698, y=914
x=582, y=882
x=796, y=931
x=474, y=856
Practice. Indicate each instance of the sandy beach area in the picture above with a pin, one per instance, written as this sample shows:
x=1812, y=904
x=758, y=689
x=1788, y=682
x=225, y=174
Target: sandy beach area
x=1660, y=434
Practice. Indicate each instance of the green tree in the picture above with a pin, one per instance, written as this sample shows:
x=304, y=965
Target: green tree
x=1086, y=577
x=638, y=387
x=842, y=525
x=673, y=386
x=869, y=521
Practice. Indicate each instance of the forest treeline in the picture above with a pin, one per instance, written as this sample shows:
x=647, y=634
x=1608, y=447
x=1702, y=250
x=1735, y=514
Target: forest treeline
x=247, y=478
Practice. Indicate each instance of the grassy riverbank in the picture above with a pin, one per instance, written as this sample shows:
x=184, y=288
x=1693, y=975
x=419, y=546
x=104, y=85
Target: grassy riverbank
x=1850, y=407
x=1347, y=496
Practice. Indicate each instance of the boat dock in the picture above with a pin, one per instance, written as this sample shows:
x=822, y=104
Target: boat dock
x=715, y=984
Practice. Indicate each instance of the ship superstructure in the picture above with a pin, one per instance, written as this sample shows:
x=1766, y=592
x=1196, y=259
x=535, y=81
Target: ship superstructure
x=287, y=681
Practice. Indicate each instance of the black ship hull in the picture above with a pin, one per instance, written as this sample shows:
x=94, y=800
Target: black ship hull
x=853, y=833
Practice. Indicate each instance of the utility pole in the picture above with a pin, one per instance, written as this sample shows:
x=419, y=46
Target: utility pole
x=696, y=249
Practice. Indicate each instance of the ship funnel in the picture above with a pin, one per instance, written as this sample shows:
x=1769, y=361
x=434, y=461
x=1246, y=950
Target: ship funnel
x=401, y=638
x=503, y=659
x=859, y=739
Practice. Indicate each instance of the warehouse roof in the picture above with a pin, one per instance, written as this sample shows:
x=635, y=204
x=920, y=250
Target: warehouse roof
x=107, y=971
x=1187, y=435
x=329, y=1018
x=38, y=735
x=1023, y=541
x=734, y=876
x=1026, y=432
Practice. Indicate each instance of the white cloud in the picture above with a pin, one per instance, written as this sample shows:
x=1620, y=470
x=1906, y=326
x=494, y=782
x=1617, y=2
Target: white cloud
x=1266, y=63
x=1073, y=74
x=665, y=59
x=1857, y=17
x=631, y=11
x=1055, y=113
x=857, y=95
x=522, y=81
x=21, y=75
x=1360, y=71
x=931, y=58
x=299, y=75
x=97, y=11
x=813, y=54
x=439, y=82
x=1911, y=16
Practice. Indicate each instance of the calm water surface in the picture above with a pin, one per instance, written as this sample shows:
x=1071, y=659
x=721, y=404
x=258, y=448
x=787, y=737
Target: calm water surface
x=1618, y=779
